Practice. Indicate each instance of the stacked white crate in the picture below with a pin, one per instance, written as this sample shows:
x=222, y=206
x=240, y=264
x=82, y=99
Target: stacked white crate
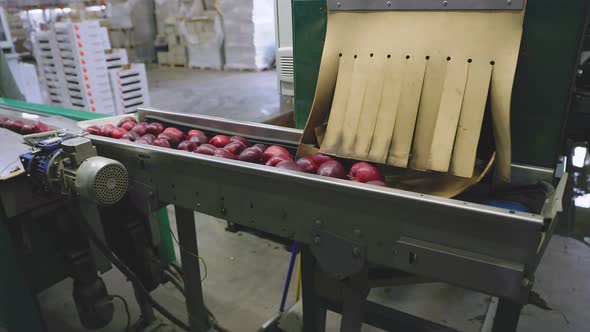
x=50, y=71
x=204, y=40
x=130, y=87
x=81, y=47
x=249, y=33
x=176, y=55
x=116, y=58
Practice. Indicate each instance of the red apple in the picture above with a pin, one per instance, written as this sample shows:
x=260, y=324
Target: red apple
x=364, y=172
x=332, y=168
x=107, y=129
x=14, y=125
x=131, y=136
x=223, y=153
x=307, y=164
x=219, y=141
x=252, y=155
x=290, y=165
x=155, y=128
x=142, y=140
x=94, y=130
x=125, y=119
x=235, y=147
x=277, y=159
x=118, y=132
x=240, y=139
x=128, y=125
x=29, y=128
x=260, y=147
x=171, y=138
x=319, y=158
x=275, y=150
x=200, y=138
x=194, y=132
x=176, y=132
x=140, y=128
x=42, y=127
x=187, y=146
x=161, y=142
x=149, y=138
x=207, y=149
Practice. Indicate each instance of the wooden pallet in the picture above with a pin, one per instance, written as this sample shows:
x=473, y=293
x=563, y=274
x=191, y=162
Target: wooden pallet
x=205, y=68
x=247, y=70
x=173, y=65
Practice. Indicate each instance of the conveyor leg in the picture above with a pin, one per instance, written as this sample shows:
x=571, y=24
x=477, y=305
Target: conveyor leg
x=189, y=253
x=314, y=313
x=507, y=316
x=355, y=292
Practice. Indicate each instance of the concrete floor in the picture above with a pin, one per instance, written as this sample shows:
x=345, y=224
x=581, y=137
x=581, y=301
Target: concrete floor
x=246, y=96
x=246, y=273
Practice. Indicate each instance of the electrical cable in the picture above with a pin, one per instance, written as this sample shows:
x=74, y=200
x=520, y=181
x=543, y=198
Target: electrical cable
x=174, y=273
x=126, y=305
x=5, y=168
x=131, y=276
x=192, y=254
x=179, y=284
x=176, y=267
x=169, y=277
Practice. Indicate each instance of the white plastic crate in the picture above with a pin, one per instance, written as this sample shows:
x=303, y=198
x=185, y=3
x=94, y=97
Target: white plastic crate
x=51, y=78
x=130, y=88
x=116, y=58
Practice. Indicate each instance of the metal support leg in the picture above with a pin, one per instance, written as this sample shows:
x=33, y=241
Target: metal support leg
x=187, y=236
x=314, y=313
x=356, y=289
x=507, y=316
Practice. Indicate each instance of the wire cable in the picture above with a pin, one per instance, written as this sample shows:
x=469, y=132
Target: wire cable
x=178, y=284
x=131, y=276
x=126, y=305
x=176, y=267
x=192, y=254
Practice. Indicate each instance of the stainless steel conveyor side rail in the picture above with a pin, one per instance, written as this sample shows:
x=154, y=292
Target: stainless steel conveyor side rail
x=479, y=247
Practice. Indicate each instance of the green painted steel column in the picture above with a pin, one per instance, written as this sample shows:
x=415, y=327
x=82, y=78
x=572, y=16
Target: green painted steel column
x=19, y=310
x=309, y=31
x=552, y=36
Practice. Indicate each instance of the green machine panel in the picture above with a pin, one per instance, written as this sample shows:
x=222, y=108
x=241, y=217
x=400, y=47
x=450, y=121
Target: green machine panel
x=553, y=32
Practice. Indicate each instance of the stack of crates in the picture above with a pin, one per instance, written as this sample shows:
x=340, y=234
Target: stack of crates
x=176, y=55
x=49, y=66
x=130, y=88
x=81, y=47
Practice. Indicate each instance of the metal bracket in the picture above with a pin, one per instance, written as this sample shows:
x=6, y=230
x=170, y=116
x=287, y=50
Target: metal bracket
x=337, y=255
x=425, y=5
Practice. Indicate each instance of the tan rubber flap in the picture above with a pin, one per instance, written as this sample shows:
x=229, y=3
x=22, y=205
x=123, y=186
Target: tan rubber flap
x=483, y=36
x=365, y=130
x=354, y=107
x=472, y=112
x=401, y=141
x=447, y=119
x=333, y=136
x=434, y=79
x=388, y=108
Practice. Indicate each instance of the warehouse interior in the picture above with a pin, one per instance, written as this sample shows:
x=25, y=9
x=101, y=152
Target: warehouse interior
x=294, y=165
